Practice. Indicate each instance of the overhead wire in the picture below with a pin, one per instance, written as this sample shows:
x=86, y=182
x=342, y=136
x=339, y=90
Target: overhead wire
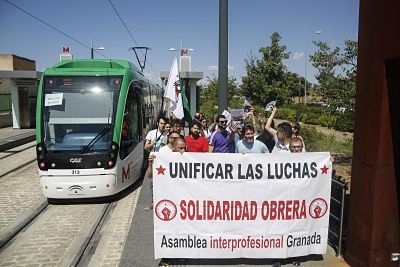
x=73, y=38
x=54, y=28
x=122, y=21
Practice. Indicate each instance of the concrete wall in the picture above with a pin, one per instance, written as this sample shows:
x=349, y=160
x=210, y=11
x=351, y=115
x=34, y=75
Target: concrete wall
x=13, y=62
x=5, y=120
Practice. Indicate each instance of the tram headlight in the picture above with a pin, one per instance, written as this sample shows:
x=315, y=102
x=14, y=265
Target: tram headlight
x=42, y=165
x=110, y=163
x=112, y=156
x=41, y=156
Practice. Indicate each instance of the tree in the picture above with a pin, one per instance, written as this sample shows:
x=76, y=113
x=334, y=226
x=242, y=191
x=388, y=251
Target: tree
x=336, y=74
x=209, y=96
x=295, y=84
x=266, y=78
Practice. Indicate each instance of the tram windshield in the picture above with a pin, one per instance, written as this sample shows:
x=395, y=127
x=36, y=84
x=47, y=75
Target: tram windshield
x=79, y=112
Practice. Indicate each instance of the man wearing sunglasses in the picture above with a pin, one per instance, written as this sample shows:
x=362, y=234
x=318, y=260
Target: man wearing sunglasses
x=221, y=138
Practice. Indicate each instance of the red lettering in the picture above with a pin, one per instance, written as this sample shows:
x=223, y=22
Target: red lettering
x=273, y=210
x=303, y=213
x=191, y=210
x=238, y=210
x=265, y=210
x=226, y=210
x=210, y=210
x=183, y=210
x=198, y=214
x=126, y=174
x=296, y=209
x=242, y=210
x=217, y=211
x=281, y=209
x=289, y=209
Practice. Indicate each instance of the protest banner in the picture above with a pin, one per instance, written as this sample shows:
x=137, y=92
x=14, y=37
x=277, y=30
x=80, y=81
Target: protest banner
x=241, y=205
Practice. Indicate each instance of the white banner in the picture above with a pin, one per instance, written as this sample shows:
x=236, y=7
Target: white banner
x=241, y=205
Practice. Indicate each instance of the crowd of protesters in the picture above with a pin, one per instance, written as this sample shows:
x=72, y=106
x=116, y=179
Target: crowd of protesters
x=223, y=136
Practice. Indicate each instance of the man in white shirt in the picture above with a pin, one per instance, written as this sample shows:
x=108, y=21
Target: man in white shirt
x=154, y=137
x=282, y=134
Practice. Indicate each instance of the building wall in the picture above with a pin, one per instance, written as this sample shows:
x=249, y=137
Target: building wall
x=373, y=229
x=13, y=62
x=17, y=74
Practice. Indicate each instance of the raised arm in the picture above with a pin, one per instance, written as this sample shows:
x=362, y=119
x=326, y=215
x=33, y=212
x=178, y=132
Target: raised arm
x=269, y=122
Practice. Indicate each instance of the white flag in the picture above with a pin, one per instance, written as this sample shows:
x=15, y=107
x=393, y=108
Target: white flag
x=172, y=92
x=177, y=107
x=173, y=82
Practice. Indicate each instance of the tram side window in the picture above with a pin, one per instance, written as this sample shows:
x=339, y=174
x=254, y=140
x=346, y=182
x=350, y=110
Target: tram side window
x=130, y=134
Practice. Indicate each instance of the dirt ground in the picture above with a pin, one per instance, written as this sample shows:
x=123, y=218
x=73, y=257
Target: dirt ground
x=342, y=166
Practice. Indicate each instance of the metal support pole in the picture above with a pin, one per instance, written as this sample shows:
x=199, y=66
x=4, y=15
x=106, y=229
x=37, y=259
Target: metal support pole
x=305, y=77
x=223, y=57
x=339, y=253
x=193, y=98
x=91, y=47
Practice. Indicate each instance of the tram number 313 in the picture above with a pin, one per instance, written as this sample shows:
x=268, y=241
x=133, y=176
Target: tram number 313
x=75, y=172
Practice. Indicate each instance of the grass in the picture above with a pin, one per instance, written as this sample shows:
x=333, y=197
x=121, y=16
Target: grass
x=316, y=141
x=341, y=149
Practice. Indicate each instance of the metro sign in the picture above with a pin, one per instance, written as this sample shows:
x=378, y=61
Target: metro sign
x=65, y=49
x=65, y=55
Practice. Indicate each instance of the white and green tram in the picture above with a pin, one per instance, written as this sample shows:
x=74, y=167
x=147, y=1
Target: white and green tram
x=91, y=120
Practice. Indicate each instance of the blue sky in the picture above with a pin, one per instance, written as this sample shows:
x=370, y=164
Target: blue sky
x=161, y=24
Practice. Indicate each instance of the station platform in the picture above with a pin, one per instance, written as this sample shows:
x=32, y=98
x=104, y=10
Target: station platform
x=11, y=137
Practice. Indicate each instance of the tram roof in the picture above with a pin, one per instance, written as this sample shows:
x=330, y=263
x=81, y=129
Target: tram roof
x=95, y=64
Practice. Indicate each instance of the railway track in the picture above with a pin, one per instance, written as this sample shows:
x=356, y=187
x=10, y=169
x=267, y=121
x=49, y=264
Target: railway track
x=61, y=235
x=10, y=142
x=16, y=159
x=34, y=232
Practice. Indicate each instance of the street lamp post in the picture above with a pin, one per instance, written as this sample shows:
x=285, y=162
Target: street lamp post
x=305, y=67
x=93, y=49
x=184, y=51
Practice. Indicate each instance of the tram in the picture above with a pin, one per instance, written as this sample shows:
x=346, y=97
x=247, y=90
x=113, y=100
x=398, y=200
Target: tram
x=91, y=121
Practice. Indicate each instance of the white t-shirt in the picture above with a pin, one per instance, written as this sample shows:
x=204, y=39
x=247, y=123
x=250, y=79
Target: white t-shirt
x=157, y=136
x=279, y=146
x=256, y=147
x=165, y=148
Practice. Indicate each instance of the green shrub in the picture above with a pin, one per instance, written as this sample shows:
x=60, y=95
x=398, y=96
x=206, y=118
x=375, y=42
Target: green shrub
x=311, y=136
x=327, y=121
x=315, y=141
x=310, y=118
x=286, y=114
x=345, y=122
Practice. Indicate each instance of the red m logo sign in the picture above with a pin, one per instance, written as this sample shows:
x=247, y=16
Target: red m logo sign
x=126, y=173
